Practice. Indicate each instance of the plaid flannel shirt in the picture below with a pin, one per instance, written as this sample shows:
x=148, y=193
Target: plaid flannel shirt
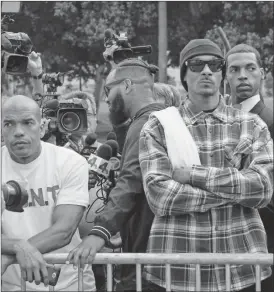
x=216, y=212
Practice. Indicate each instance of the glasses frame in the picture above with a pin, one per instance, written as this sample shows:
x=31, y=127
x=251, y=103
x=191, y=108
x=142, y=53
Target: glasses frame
x=107, y=88
x=209, y=63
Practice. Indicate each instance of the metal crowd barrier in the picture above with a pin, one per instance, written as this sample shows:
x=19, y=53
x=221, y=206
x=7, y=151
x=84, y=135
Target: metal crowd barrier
x=191, y=258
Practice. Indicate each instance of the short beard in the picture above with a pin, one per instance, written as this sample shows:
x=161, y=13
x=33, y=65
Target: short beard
x=117, y=113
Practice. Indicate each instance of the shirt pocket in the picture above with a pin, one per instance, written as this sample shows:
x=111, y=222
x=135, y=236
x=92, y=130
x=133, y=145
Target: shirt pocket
x=238, y=156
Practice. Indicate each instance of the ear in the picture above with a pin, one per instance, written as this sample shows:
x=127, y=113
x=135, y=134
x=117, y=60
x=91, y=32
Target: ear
x=128, y=85
x=262, y=73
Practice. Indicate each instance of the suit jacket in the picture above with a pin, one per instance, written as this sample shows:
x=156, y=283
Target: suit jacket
x=267, y=214
x=265, y=113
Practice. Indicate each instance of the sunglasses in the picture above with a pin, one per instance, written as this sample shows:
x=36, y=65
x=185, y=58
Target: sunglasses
x=198, y=65
x=108, y=87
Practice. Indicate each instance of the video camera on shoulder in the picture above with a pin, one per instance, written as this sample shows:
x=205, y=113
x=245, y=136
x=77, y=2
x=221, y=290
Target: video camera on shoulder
x=15, y=48
x=118, y=48
x=67, y=117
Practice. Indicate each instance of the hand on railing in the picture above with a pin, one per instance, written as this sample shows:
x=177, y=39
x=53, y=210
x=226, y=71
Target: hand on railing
x=32, y=263
x=85, y=251
x=114, y=243
x=6, y=261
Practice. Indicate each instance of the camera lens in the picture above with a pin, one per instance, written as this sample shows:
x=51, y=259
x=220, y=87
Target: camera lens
x=17, y=64
x=70, y=121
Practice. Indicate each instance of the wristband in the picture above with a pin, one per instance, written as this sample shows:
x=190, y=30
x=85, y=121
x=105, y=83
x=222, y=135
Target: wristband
x=38, y=77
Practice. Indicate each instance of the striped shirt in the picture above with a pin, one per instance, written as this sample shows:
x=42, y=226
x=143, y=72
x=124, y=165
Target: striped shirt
x=216, y=212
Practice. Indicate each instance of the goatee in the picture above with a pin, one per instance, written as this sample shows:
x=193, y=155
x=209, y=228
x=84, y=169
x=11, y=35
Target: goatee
x=117, y=113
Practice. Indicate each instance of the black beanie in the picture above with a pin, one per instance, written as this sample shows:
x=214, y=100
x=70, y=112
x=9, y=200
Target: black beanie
x=196, y=48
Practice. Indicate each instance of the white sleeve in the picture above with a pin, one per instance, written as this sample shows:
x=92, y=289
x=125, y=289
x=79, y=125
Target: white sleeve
x=74, y=188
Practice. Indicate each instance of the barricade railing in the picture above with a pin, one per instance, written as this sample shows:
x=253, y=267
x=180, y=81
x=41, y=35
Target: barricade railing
x=139, y=259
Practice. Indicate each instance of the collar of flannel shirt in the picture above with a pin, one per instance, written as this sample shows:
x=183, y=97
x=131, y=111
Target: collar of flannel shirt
x=192, y=113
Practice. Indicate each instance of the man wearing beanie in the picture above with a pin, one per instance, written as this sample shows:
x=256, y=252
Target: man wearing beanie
x=210, y=206
x=129, y=91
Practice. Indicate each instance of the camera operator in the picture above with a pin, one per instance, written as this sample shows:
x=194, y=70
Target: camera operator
x=57, y=184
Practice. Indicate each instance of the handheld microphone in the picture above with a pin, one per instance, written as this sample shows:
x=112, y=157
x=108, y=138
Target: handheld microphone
x=114, y=161
x=114, y=147
x=91, y=139
x=14, y=195
x=108, y=33
x=111, y=136
x=88, y=148
x=99, y=163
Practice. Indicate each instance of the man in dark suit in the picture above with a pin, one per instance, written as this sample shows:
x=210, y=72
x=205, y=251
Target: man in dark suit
x=245, y=74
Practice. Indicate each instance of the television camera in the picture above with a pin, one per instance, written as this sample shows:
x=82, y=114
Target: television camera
x=15, y=48
x=118, y=48
x=67, y=117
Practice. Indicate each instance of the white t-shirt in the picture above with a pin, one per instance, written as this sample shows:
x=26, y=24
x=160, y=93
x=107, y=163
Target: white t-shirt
x=58, y=176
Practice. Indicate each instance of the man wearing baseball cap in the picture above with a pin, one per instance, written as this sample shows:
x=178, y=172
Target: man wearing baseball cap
x=210, y=206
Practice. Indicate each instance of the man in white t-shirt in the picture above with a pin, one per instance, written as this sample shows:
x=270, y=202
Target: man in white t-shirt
x=56, y=180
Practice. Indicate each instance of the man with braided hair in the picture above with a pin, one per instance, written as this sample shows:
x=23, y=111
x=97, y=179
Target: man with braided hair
x=129, y=92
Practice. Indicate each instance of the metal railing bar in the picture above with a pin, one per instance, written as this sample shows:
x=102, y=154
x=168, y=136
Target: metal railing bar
x=198, y=277
x=258, y=278
x=182, y=258
x=23, y=283
x=80, y=279
x=168, y=278
x=138, y=277
x=227, y=278
x=109, y=277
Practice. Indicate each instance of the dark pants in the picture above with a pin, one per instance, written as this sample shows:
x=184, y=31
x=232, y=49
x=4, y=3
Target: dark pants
x=266, y=286
x=130, y=286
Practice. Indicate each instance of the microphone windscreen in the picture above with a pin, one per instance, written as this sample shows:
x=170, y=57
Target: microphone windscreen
x=111, y=136
x=104, y=151
x=108, y=33
x=114, y=147
x=52, y=104
x=91, y=138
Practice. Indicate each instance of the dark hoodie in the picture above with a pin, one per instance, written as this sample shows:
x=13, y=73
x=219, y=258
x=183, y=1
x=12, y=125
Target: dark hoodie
x=127, y=210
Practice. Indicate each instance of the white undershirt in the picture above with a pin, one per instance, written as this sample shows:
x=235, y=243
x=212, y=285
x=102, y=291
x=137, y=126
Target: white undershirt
x=248, y=104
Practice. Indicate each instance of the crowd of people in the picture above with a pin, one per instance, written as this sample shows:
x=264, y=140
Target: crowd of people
x=196, y=176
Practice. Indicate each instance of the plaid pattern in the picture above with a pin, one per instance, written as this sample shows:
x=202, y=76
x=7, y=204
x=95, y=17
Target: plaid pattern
x=217, y=212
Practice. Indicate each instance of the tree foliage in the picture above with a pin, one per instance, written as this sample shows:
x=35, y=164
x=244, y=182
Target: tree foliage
x=70, y=34
x=250, y=23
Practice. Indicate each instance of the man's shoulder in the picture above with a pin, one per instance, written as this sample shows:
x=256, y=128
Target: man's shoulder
x=238, y=116
x=64, y=155
x=266, y=115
